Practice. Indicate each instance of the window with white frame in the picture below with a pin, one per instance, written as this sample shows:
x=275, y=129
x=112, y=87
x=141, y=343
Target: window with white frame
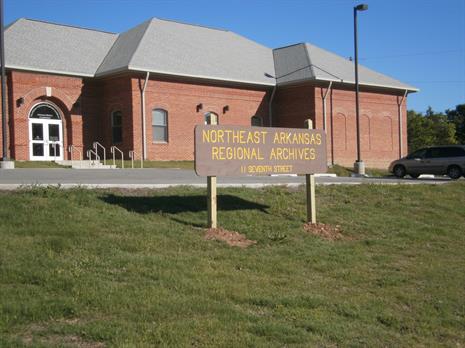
x=160, y=125
x=116, y=127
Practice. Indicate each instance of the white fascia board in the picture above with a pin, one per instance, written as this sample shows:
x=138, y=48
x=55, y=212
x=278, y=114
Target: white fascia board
x=134, y=68
x=51, y=71
x=408, y=88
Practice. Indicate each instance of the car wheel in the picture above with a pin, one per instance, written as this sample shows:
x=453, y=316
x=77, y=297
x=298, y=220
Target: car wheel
x=399, y=171
x=454, y=172
x=414, y=176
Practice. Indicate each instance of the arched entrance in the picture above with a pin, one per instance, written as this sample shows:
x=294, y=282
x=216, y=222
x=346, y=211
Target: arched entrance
x=45, y=133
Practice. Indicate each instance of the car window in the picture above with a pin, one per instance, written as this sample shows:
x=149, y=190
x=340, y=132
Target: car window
x=417, y=154
x=455, y=152
x=435, y=152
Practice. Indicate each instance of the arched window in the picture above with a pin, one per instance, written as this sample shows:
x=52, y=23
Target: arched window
x=211, y=116
x=45, y=112
x=160, y=125
x=116, y=127
x=256, y=121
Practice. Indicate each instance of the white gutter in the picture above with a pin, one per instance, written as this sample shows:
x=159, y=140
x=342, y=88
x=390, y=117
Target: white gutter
x=144, y=131
x=399, y=106
x=270, y=108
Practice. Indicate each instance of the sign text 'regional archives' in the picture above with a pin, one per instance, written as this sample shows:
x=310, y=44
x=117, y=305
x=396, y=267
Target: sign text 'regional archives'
x=240, y=151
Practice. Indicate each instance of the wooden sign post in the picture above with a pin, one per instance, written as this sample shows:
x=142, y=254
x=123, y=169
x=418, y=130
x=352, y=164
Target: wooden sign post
x=211, y=187
x=310, y=187
x=228, y=150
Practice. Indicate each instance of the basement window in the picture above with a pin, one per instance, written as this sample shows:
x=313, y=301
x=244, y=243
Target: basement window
x=159, y=125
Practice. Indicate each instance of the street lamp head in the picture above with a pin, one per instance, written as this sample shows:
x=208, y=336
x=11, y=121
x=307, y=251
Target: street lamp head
x=361, y=7
x=269, y=76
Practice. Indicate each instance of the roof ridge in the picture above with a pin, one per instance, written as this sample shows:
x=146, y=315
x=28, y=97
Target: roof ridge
x=66, y=25
x=12, y=23
x=351, y=62
x=308, y=59
x=246, y=38
x=193, y=25
x=287, y=46
x=149, y=21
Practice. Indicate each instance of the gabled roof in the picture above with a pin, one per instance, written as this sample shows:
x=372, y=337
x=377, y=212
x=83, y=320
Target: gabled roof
x=177, y=49
x=47, y=47
x=306, y=62
x=174, y=48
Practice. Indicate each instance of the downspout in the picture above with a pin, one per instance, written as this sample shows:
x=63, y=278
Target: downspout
x=324, y=103
x=399, y=106
x=144, y=131
x=270, y=108
x=324, y=95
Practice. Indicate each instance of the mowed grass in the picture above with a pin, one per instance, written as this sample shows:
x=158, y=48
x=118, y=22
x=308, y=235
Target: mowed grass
x=38, y=164
x=131, y=268
x=154, y=164
x=345, y=171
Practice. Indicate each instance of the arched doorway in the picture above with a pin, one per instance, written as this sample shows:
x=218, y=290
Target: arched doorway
x=45, y=133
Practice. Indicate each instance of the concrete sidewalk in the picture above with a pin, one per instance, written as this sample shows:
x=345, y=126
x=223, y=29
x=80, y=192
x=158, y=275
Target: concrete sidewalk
x=160, y=178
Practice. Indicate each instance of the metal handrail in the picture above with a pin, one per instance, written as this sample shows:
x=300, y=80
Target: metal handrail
x=132, y=155
x=89, y=155
x=71, y=149
x=113, y=150
x=96, y=145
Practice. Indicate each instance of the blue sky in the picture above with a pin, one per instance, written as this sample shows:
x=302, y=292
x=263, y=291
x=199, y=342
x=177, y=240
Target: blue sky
x=420, y=42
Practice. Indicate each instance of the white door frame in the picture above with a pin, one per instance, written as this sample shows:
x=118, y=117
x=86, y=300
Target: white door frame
x=47, y=143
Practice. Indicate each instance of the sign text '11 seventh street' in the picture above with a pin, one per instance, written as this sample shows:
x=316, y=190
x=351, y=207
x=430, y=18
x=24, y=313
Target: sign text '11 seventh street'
x=239, y=151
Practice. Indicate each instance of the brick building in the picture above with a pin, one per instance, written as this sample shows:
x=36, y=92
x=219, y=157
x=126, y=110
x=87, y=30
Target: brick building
x=146, y=89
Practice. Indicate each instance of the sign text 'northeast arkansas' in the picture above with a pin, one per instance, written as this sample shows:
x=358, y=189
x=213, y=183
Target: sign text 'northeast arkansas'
x=238, y=151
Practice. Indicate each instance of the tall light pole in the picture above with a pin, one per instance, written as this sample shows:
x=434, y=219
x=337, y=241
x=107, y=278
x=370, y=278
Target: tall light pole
x=2, y=62
x=359, y=166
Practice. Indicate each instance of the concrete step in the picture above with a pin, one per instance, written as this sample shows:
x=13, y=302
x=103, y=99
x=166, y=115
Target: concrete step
x=85, y=164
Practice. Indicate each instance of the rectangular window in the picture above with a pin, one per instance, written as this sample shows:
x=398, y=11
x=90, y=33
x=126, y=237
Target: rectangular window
x=256, y=121
x=117, y=127
x=160, y=125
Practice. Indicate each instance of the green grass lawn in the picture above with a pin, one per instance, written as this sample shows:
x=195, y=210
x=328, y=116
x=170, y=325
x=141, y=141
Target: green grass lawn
x=155, y=164
x=131, y=268
x=38, y=164
x=344, y=171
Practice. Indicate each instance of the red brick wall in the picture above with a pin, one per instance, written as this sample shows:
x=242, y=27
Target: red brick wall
x=379, y=132
x=116, y=96
x=65, y=91
x=90, y=119
x=379, y=126
x=293, y=105
x=180, y=99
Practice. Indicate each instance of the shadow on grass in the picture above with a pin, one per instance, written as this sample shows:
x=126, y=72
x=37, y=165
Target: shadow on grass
x=180, y=204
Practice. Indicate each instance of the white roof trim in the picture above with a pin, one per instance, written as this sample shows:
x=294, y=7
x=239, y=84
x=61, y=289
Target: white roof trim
x=408, y=88
x=135, y=68
x=59, y=72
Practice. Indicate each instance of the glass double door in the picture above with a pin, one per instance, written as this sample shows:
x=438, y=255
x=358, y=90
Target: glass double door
x=45, y=139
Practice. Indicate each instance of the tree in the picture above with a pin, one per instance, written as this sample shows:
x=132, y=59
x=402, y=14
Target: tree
x=457, y=116
x=429, y=129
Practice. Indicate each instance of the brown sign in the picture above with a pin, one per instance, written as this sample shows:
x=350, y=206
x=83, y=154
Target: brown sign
x=240, y=151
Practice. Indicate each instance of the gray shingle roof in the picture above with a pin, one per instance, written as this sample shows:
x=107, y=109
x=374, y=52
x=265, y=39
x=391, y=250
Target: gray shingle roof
x=304, y=62
x=40, y=46
x=174, y=48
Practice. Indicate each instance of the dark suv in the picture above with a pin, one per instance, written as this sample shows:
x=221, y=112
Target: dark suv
x=438, y=160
